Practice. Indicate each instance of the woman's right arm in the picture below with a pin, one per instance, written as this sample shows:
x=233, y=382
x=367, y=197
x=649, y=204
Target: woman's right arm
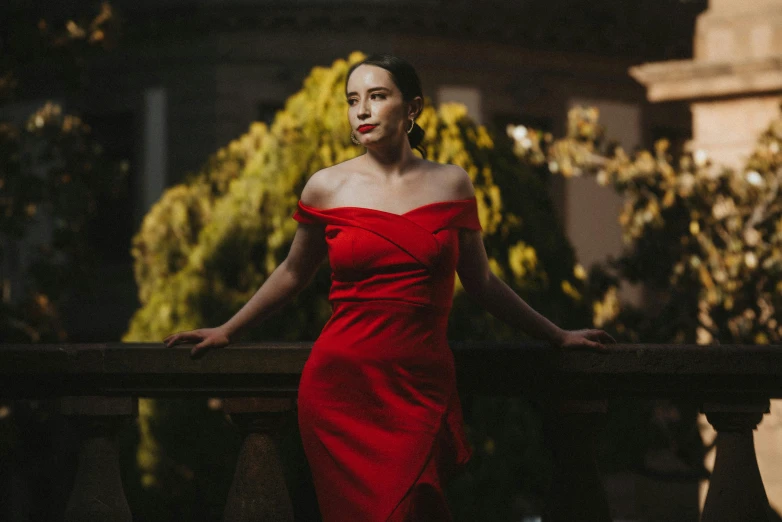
x=308, y=250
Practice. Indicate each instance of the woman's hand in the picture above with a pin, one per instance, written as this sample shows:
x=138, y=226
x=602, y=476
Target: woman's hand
x=584, y=340
x=206, y=338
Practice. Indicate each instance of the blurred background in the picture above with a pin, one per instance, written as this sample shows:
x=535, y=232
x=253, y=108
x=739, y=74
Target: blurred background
x=151, y=154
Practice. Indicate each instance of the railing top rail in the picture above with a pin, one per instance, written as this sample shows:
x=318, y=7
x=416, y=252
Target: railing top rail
x=273, y=368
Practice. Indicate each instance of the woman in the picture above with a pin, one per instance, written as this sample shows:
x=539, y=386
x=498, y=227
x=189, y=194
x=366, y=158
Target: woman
x=379, y=416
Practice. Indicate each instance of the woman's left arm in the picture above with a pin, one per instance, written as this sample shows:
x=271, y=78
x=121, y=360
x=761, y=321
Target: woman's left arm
x=500, y=300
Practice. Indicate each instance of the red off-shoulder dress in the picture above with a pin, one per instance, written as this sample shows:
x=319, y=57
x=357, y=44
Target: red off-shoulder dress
x=378, y=411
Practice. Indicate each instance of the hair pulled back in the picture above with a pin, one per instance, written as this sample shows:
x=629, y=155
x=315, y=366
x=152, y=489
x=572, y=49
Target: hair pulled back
x=406, y=79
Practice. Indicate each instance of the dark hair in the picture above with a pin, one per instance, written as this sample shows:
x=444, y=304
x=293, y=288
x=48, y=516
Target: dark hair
x=406, y=79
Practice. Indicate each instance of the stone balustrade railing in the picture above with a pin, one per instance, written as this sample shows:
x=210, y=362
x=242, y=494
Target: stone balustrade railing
x=98, y=386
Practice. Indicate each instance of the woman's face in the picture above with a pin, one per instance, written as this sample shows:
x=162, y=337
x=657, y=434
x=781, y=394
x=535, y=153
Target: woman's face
x=376, y=110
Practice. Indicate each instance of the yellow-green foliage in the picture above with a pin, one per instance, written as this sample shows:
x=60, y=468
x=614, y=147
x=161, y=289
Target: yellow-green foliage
x=710, y=237
x=208, y=244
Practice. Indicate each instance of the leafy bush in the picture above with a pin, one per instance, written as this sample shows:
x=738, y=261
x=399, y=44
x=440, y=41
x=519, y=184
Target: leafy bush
x=705, y=241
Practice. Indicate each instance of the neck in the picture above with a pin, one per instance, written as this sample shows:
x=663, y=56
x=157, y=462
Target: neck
x=391, y=161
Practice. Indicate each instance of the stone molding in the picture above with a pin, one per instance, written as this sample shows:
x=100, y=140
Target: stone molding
x=687, y=79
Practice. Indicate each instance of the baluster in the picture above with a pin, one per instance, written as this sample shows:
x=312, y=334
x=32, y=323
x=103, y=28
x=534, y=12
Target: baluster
x=258, y=490
x=736, y=489
x=97, y=494
x=577, y=491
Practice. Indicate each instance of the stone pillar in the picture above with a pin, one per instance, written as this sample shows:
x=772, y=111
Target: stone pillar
x=736, y=489
x=731, y=31
x=97, y=494
x=577, y=491
x=258, y=490
x=734, y=82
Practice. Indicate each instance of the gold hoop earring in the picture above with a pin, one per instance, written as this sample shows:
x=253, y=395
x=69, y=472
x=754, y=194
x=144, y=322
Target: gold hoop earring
x=412, y=124
x=354, y=139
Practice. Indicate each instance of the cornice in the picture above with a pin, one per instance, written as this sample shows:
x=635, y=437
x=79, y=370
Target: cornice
x=690, y=80
x=658, y=35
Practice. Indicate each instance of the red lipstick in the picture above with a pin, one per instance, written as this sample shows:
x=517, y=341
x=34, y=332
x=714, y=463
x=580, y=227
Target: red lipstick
x=365, y=128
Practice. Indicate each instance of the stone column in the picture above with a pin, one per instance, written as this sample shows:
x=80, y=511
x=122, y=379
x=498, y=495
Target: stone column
x=258, y=490
x=734, y=82
x=736, y=489
x=97, y=494
x=577, y=491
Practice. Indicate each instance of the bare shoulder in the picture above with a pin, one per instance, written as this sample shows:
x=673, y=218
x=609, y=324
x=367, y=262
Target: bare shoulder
x=322, y=185
x=455, y=180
